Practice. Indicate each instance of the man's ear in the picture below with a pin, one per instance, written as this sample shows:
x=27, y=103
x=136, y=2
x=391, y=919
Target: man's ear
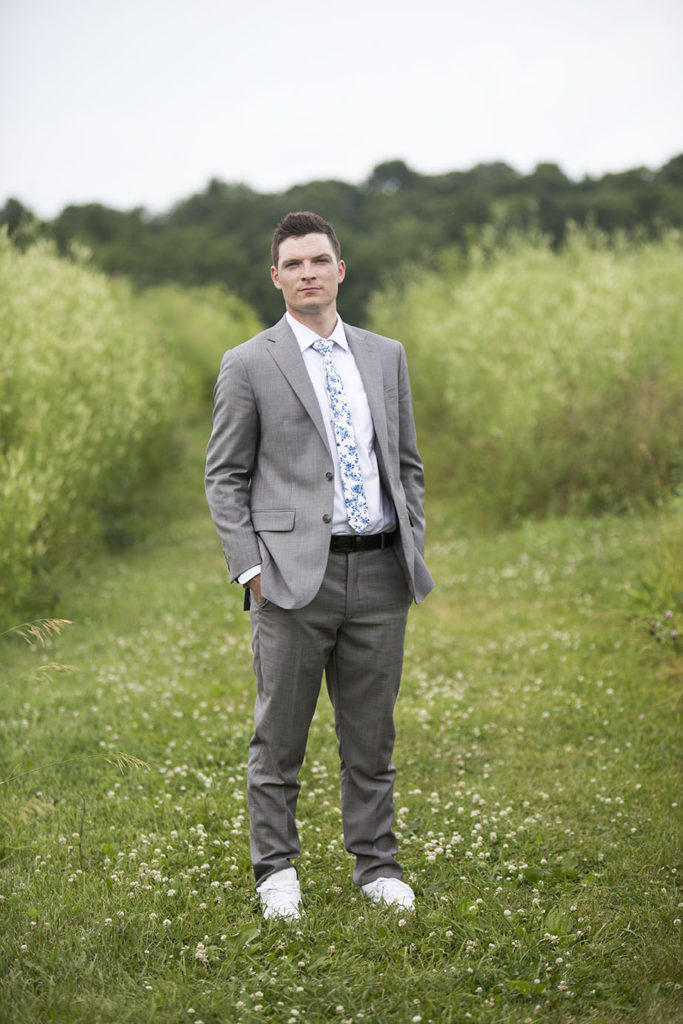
x=275, y=279
x=342, y=271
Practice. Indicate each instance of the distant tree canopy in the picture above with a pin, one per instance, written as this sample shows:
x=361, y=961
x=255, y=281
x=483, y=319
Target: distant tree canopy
x=396, y=217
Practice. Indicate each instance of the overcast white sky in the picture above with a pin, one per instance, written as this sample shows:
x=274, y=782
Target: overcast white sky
x=141, y=102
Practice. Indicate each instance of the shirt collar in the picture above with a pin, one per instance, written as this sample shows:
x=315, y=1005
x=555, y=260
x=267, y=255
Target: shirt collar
x=305, y=336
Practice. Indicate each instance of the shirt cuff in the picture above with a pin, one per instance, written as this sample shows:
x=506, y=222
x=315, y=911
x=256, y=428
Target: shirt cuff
x=248, y=574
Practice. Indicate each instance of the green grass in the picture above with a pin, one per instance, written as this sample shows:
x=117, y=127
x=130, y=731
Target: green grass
x=537, y=796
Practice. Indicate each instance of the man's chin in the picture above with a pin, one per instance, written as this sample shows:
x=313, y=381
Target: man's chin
x=314, y=306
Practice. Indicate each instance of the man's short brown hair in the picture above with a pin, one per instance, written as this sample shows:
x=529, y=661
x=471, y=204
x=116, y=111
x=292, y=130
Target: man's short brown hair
x=296, y=225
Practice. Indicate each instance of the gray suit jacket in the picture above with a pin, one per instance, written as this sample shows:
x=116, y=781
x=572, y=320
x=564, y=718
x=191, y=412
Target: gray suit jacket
x=269, y=471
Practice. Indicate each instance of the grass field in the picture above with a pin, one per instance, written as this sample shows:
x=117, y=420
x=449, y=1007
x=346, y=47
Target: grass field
x=537, y=795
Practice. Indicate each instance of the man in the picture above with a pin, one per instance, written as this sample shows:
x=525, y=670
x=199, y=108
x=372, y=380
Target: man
x=315, y=486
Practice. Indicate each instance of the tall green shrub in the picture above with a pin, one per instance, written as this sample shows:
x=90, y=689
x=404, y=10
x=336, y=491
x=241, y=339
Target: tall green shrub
x=547, y=382
x=87, y=399
x=195, y=326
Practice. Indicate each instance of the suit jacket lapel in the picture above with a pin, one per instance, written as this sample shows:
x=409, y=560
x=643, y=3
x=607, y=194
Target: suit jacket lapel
x=285, y=351
x=370, y=368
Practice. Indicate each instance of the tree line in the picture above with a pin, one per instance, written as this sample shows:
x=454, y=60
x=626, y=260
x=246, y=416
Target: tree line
x=396, y=218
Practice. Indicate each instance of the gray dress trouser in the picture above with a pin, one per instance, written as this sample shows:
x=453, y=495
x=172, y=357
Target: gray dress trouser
x=353, y=631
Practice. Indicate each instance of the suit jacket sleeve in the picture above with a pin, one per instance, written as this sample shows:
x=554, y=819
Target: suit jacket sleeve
x=230, y=459
x=411, y=469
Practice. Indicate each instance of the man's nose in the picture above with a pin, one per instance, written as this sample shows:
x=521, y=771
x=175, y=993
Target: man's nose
x=309, y=270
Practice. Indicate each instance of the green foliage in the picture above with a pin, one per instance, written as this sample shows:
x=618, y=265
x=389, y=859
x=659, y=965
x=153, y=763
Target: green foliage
x=195, y=326
x=21, y=225
x=546, y=382
x=87, y=402
x=397, y=215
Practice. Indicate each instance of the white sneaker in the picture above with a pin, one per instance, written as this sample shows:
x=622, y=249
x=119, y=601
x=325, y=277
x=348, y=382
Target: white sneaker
x=391, y=891
x=280, y=895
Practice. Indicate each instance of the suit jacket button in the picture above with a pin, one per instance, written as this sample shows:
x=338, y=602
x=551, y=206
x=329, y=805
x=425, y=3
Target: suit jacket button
x=329, y=475
x=327, y=518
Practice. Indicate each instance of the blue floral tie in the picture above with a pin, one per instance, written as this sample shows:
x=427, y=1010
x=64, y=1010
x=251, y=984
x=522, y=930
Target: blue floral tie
x=352, y=481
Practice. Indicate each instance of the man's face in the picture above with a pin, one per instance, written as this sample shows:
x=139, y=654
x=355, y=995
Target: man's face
x=308, y=274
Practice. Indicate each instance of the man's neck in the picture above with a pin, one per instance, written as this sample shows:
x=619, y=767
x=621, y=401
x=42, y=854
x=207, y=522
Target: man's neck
x=321, y=324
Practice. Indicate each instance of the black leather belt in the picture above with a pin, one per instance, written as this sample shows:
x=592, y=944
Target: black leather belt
x=347, y=543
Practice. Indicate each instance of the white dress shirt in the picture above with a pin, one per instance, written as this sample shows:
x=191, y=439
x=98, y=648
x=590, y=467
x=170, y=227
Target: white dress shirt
x=380, y=507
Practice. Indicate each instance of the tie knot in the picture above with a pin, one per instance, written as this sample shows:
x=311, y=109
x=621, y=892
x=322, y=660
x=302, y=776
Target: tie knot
x=323, y=346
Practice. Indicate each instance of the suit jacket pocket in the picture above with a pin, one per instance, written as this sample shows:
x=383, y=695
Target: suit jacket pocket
x=279, y=520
